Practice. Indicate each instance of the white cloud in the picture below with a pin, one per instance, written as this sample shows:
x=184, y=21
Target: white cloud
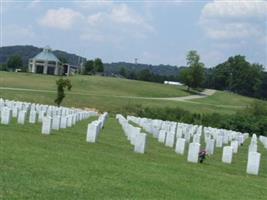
x=235, y=9
x=234, y=19
x=62, y=18
x=119, y=21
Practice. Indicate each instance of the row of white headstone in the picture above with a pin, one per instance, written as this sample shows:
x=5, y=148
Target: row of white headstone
x=133, y=134
x=95, y=127
x=51, y=117
x=168, y=132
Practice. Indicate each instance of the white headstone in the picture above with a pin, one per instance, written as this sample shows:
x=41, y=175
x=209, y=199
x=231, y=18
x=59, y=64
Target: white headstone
x=227, y=154
x=91, y=132
x=253, y=147
x=32, y=117
x=56, y=122
x=210, y=146
x=170, y=138
x=180, y=146
x=219, y=141
x=196, y=138
x=193, y=152
x=134, y=132
x=47, y=125
x=5, y=115
x=162, y=136
x=40, y=115
x=140, y=143
x=63, y=122
x=14, y=112
x=69, y=121
x=253, y=163
x=234, y=145
x=21, y=117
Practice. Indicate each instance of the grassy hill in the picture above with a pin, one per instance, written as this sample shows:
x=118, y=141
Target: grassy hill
x=113, y=94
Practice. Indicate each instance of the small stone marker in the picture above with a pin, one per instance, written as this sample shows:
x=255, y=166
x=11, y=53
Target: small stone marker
x=253, y=163
x=180, y=146
x=227, y=154
x=193, y=152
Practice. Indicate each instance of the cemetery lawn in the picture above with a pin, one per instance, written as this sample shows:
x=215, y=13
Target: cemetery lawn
x=64, y=166
x=93, y=85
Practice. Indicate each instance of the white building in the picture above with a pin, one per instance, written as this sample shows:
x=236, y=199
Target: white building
x=172, y=83
x=47, y=63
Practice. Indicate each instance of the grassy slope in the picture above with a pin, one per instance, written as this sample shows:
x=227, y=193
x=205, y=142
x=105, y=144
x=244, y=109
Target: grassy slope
x=226, y=98
x=64, y=166
x=93, y=85
x=106, y=94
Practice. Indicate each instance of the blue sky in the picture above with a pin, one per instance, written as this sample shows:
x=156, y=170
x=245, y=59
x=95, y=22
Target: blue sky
x=155, y=32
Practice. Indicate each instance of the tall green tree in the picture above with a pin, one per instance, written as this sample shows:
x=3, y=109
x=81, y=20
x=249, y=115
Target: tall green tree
x=194, y=75
x=89, y=67
x=61, y=85
x=14, y=62
x=98, y=65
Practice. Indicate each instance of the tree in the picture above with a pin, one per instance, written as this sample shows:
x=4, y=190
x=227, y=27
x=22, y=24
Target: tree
x=238, y=75
x=89, y=67
x=61, y=85
x=98, y=65
x=186, y=77
x=123, y=72
x=14, y=62
x=194, y=75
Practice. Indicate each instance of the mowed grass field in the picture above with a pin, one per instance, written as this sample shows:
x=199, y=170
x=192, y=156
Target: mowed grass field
x=63, y=166
x=113, y=94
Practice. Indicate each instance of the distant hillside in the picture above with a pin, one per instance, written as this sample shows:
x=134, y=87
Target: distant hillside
x=163, y=70
x=27, y=52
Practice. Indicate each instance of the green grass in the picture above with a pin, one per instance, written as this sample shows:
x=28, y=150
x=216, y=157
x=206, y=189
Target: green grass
x=111, y=104
x=226, y=98
x=113, y=94
x=92, y=85
x=64, y=166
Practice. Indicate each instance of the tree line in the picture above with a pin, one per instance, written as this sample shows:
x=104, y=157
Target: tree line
x=235, y=75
